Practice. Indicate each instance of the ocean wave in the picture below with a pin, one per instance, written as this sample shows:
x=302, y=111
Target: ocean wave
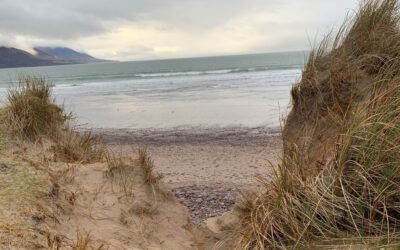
x=279, y=72
x=187, y=73
x=249, y=70
x=215, y=72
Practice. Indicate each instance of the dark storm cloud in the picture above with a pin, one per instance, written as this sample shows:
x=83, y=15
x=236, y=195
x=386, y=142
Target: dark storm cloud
x=45, y=19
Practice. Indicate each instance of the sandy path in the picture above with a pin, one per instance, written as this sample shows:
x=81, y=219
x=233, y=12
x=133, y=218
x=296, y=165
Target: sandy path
x=206, y=168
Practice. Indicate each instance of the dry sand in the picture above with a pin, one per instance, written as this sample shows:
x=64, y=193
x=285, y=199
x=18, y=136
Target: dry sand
x=230, y=156
x=100, y=209
x=207, y=168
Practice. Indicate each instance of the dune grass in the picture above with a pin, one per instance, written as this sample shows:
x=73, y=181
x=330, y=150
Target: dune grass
x=3, y=128
x=147, y=164
x=126, y=170
x=25, y=198
x=122, y=171
x=85, y=242
x=31, y=110
x=70, y=146
x=31, y=114
x=354, y=198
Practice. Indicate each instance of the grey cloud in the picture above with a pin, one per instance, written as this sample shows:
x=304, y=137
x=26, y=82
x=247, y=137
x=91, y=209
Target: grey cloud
x=68, y=19
x=61, y=22
x=45, y=20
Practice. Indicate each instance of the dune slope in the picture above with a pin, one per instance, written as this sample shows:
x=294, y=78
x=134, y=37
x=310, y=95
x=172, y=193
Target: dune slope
x=338, y=181
x=61, y=189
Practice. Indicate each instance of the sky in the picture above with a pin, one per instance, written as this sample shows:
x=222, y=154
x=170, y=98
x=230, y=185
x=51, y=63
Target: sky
x=153, y=29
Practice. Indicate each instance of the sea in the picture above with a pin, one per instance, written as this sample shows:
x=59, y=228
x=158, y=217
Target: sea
x=222, y=91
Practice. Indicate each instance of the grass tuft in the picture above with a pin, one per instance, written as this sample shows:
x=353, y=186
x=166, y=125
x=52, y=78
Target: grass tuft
x=31, y=111
x=122, y=171
x=71, y=146
x=148, y=165
x=85, y=242
x=128, y=172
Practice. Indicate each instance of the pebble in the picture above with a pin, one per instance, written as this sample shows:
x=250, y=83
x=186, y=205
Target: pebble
x=204, y=202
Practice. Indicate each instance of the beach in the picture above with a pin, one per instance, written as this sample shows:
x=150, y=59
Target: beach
x=211, y=125
x=200, y=125
x=230, y=156
x=197, y=163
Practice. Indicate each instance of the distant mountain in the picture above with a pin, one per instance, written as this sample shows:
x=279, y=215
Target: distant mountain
x=67, y=54
x=13, y=58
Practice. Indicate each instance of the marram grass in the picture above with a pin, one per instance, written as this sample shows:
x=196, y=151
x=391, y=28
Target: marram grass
x=31, y=110
x=354, y=198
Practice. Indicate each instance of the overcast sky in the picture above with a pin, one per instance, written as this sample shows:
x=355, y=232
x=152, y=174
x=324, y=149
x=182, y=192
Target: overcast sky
x=150, y=29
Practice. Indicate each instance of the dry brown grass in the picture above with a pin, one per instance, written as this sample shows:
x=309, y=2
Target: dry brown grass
x=82, y=242
x=128, y=172
x=116, y=163
x=31, y=111
x=348, y=101
x=70, y=146
x=123, y=172
x=25, y=203
x=148, y=165
x=85, y=242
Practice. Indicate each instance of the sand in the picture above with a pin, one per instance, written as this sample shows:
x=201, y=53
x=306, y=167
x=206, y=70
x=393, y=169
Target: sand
x=230, y=156
x=97, y=206
x=207, y=168
x=50, y=204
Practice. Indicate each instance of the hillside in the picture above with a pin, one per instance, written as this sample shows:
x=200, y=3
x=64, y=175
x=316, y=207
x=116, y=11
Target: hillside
x=13, y=58
x=67, y=54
